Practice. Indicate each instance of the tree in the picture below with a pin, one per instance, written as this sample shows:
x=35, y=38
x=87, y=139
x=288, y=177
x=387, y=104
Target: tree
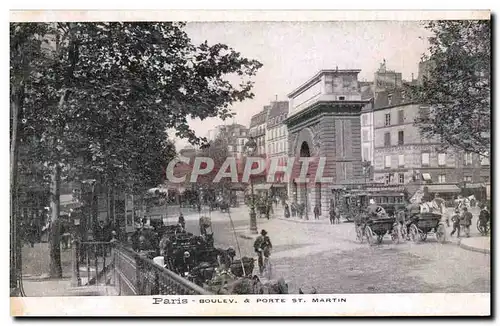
x=103, y=95
x=456, y=85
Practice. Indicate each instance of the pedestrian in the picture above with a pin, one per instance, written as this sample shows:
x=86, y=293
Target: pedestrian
x=332, y=214
x=484, y=217
x=455, y=219
x=287, y=210
x=316, y=212
x=466, y=221
x=337, y=215
x=262, y=247
x=182, y=221
x=294, y=210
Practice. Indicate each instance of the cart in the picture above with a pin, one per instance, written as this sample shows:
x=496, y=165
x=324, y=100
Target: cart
x=420, y=225
x=374, y=227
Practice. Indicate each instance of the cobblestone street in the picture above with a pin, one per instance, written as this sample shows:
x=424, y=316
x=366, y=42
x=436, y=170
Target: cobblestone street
x=328, y=258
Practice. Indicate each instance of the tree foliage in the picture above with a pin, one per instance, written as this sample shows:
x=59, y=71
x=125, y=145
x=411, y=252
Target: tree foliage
x=103, y=95
x=456, y=85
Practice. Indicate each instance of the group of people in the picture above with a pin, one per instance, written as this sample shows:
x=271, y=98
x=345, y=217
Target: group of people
x=294, y=210
x=462, y=221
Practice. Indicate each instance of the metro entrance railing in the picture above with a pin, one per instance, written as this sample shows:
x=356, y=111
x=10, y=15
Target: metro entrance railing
x=112, y=264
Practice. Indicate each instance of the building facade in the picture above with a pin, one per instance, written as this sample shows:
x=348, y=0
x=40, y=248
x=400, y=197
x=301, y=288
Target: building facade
x=324, y=121
x=258, y=130
x=402, y=153
x=236, y=136
x=277, y=133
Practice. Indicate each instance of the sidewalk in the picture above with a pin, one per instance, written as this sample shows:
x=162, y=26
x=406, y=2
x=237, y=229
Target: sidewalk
x=37, y=283
x=477, y=244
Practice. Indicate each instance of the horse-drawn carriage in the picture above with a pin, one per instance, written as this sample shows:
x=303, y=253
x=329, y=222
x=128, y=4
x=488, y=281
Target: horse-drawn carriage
x=424, y=223
x=374, y=224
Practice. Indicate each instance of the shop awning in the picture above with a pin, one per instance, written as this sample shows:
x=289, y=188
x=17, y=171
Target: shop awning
x=474, y=185
x=443, y=188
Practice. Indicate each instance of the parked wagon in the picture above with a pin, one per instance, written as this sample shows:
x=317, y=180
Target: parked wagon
x=374, y=225
x=420, y=225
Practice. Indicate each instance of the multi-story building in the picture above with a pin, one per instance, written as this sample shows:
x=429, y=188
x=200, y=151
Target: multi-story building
x=324, y=122
x=277, y=134
x=258, y=130
x=367, y=93
x=277, y=141
x=402, y=153
x=236, y=136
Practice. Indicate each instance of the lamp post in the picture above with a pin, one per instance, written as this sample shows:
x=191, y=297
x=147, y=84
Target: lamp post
x=249, y=149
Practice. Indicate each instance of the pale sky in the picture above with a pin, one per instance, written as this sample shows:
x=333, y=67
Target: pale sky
x=292, y=52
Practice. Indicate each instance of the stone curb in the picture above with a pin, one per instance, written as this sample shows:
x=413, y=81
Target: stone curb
x=303, y=221
x=475, y=249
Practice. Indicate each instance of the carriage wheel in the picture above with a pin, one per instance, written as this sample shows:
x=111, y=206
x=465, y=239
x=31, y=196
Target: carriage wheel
x=370, y=236
x=483, y=229
x=404, y=232
x=359, y=234
x=414, y=233
x=441, y=233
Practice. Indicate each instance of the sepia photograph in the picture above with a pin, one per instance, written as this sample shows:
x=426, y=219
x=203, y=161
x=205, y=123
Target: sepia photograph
x=297, y=164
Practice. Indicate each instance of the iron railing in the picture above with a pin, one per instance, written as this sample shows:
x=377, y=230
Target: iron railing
x=91, y=262
x=138, y=275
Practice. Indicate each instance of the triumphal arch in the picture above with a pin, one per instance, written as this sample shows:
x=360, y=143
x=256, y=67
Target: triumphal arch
x=324, y=121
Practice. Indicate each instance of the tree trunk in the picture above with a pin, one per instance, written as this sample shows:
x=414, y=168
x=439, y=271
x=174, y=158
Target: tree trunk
x=15, y=241
x=55, y=247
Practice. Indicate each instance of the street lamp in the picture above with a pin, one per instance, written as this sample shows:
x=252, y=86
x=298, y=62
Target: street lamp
x=250, y=148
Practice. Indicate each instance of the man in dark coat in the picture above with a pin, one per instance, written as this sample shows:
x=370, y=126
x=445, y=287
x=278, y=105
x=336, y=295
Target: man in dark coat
x=262, y=247
x=316, y=212
x=484, y=217
x=466, y=221
x=455, y=219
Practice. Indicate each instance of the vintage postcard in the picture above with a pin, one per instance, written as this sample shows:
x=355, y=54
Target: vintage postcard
x=244, y=163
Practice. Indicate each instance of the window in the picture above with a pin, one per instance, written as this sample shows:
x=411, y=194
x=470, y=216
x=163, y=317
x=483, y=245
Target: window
x=468, y=179
x=387, y=162
x=401, y=178
x=387, y=179
x=364, y=120
x=467, y=158
x=425, y=158
x=387, y=119
x=365, y=135
x=401, y=116
x=442, y=178
x=387, y=139
x=269, y=148
x=442, y=159
x=341, y=98
x=401, y=137
x=401, y=160
x=389, y=100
